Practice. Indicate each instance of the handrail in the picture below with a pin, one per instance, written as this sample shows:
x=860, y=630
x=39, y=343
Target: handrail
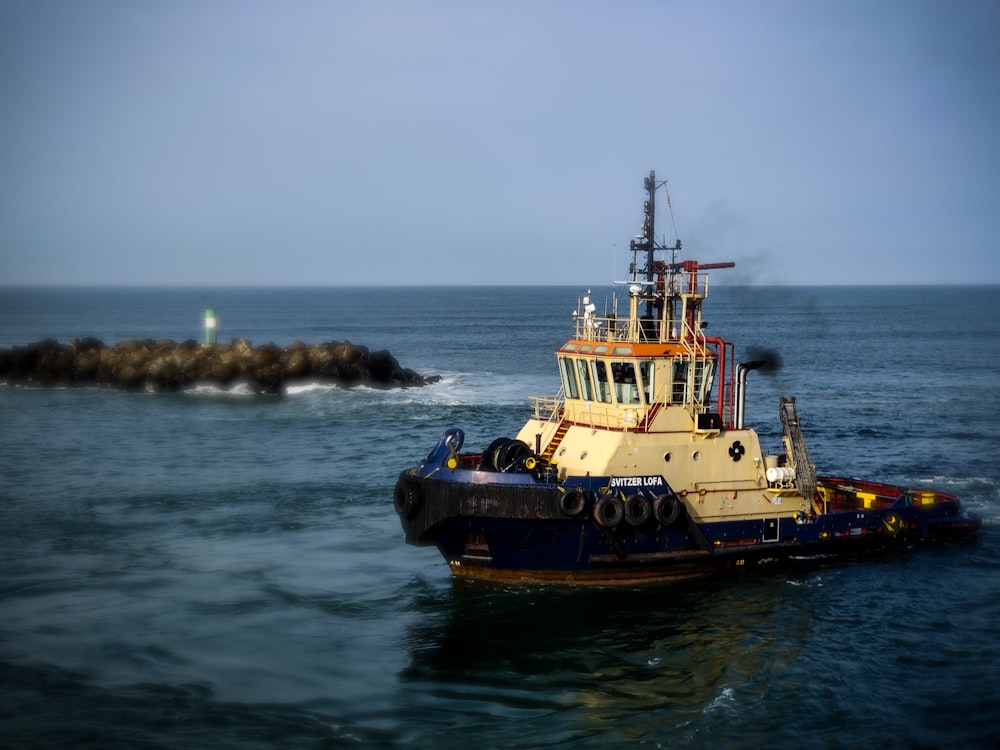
x=550, y=405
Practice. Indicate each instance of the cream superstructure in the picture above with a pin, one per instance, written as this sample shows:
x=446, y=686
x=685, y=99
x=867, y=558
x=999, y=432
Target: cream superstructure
x=651, y=395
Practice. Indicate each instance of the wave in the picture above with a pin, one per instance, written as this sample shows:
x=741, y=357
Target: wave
x=981, y=495
x=5, y=385
x=479, y=388
x=240, y=389
x=725, y=700
x=299, y=389
x=453, y=389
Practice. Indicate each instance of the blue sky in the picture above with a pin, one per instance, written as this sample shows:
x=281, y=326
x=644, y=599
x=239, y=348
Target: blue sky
x=369, y=142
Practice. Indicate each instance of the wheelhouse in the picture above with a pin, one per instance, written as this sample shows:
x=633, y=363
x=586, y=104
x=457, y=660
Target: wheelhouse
x=623, y=371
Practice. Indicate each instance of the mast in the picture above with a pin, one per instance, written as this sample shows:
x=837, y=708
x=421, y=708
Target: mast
x=649, y=233
x=646, y=242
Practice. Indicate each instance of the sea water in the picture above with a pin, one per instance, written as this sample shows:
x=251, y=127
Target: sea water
x=210, y=568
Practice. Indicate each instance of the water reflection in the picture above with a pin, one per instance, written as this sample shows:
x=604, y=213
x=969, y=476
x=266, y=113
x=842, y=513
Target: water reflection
x=598, y=663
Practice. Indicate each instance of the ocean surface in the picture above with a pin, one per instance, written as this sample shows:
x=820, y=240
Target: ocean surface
x=215, y=569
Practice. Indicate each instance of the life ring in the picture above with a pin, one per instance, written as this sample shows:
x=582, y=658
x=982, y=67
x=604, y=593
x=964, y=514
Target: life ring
x=637, y=510
x=667, y=509
x=608, y=512
x=573, y=503
x=406, y=497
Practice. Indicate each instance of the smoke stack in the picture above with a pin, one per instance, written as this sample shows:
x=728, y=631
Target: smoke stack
x=741, y=386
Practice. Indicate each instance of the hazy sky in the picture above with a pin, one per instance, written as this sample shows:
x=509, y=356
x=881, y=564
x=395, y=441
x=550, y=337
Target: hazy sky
x=364, y=142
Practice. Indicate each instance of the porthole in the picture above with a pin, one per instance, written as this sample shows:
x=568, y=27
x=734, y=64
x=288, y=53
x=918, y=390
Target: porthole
x=667, y=456
x=696, y=455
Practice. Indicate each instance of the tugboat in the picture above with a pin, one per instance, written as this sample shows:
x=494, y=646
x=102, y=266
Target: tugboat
x=641, y=469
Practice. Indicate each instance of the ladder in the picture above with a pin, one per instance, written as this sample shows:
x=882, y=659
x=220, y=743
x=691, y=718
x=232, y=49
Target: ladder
x=550, y=449
x=805, y=470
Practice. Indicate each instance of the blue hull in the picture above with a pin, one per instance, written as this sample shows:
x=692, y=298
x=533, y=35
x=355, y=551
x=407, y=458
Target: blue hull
x=509, y=527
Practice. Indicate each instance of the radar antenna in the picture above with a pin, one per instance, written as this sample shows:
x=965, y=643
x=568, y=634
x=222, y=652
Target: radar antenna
x=646, y=242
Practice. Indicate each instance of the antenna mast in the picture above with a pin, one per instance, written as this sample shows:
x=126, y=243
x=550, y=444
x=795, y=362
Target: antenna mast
x=646, y=241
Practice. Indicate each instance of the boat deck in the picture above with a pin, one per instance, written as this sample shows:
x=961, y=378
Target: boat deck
x=839, y=495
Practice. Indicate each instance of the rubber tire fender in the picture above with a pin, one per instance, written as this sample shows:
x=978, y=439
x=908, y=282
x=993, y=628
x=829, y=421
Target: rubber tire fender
x=406, y=497
x=608, y=512
x=573, y=503
x=637, y=510
x=667, y=508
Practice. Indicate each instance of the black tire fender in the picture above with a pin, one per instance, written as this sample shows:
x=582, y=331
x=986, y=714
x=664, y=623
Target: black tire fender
x=406, y=497
x=637, y=510
x=573, y=503
x=667, y=508
x=608, y=512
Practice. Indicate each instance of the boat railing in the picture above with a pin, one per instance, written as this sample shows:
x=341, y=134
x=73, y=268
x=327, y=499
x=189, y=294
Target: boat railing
x=696, y=351
x=600, y=328
x=548, y=408
x=613, y=330
x=600, y=418
x=638, y=328
x=608, y=419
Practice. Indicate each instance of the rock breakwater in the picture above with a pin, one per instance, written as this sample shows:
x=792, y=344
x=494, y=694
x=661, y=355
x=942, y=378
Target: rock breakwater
x=163, y=365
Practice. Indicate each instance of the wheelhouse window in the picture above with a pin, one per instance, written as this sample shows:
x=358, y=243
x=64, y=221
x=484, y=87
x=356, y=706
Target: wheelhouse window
x=646, y=372
x=601, y=379
x=607, y=381
x=586, y=385
x=626, y=386
x=679, y=389
x=569, y=377
x=704, y=376
x=692, y=381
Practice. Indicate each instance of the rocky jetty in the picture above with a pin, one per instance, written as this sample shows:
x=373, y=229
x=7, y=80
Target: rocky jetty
x=163, y=365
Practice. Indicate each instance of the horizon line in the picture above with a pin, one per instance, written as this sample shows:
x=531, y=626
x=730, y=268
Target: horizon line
x=437, y=285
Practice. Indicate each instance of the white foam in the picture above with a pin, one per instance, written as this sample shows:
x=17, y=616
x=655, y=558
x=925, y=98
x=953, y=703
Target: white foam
x=240, y=389
x=300, y=388
x=726, y=699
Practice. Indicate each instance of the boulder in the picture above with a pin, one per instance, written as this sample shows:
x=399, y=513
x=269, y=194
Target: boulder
x=162, y=365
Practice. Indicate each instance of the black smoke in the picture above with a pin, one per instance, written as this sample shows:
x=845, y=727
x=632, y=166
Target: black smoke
x=770, y=358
